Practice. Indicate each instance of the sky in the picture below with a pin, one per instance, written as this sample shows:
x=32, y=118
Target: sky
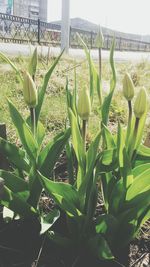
x=132, y=16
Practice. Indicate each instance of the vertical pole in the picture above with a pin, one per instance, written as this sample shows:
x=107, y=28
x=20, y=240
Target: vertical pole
x=39, y=31
x=65, y=25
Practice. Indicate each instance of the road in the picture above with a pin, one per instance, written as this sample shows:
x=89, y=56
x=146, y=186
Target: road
x=25, y=50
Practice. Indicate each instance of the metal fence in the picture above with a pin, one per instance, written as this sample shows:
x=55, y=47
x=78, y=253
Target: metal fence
x=23, y=30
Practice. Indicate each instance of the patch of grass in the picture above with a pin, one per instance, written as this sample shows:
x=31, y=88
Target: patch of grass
x=54, y=110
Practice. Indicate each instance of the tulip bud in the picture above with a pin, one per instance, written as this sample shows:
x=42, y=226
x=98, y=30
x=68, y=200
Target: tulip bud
x=29, y=90
x=84, y=104
x=33, y=63
x=140, y=104
x=128, y=87
x=99, y=39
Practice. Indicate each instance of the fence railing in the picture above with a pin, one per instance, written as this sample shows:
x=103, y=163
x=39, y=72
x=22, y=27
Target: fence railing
x=23, y=30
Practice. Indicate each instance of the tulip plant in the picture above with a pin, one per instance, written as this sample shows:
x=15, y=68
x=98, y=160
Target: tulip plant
x=114, y=166
x=20, y=186
x=119, y=164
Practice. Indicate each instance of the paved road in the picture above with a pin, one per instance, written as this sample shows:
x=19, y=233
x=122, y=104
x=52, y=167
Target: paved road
x=21, y=49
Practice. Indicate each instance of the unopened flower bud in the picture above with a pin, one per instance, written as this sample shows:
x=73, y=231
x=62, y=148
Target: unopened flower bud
x=33, y=63
x=84, y=104
x=99, y=38
x=140, y=105
x=128, y=87
x=29, y=90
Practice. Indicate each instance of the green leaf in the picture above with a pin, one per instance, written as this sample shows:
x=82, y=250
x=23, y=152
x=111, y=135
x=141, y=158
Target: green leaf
x=49, y=155
x=108, y=183
x=140, y=184
x=65, y=195
x=77, y=139
x=123, y=158
x=108, y=137
x=117, y=197
x=14, y=154
x=16, y=203
x=70, y=162
x=6, y=59
x=107, y=161
x=140, y=169
x=108, y=98
x=42, y=92
x=91, y=156
x=107, y=225
x=49, y=220
x=99, y=247
x=24, y=132
x=144, y=151
x=14, y=183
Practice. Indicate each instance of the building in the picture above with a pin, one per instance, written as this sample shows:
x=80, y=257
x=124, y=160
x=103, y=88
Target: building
x=6, y=6
x=33, y=9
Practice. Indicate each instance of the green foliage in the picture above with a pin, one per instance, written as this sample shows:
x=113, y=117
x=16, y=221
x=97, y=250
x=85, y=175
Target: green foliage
x=117, y=165
x=21, y=188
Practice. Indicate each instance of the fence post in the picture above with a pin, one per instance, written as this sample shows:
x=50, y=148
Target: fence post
x=4, y=164
x=39, y=31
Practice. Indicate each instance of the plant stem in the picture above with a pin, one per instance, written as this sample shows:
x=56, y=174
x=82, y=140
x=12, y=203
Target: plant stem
x=100, y=63
x=33, y=121
x=132, y=150
x=84, y=133
x=129, y=121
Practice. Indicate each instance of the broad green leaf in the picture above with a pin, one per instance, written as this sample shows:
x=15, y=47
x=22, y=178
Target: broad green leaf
x=78, y=146
x=35, y=188
x=49, y=220
x=49, y=155
x=42, y=91
x=91, y=155
x=16, y=203
x=107, y=225
x=117, y=197
x=140, y=184
x=140, y=169
x=91, y=206
x=24, y=132
x=70, y=162
x=108, y=182
x=15, y=155
x=65, y=195
x=14, y=183
x=134, y=142
x=144, y=151
x=107, y=161
x=99, y=246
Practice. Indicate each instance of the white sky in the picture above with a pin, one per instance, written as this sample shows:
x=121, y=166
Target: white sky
x=131, y=16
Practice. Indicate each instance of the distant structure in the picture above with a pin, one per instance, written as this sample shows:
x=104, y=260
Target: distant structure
x=65, y=25
x=34, y=9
